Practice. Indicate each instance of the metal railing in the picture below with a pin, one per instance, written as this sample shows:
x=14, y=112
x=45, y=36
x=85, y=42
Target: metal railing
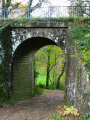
x=46, y=12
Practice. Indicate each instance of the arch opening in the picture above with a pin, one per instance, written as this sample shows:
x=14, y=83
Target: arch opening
x=49, y=68
x=23, y=66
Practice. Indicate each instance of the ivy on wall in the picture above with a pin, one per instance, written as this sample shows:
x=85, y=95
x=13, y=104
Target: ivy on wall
x=5, y=63
x=81, y=35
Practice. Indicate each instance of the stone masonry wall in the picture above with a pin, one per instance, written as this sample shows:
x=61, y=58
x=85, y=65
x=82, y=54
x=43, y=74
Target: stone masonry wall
x=23, y=77
x=77, y=83
x=21, y=34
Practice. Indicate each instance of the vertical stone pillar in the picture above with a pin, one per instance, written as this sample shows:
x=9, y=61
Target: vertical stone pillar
x=76, y=78
x=23, y=77
x=6, y=58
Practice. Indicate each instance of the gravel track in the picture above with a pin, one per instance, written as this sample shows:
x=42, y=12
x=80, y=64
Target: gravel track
x=37, y=108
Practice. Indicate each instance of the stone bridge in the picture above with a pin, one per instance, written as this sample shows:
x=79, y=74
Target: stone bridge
x=19, y=43
x=27, y=40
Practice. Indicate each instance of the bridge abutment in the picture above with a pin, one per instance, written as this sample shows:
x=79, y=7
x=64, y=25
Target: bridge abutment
x=23, y=78
x=77, y=82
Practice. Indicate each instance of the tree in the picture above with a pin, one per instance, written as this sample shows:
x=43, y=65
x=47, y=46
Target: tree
x=51, y=62
x=48, y=68
x=50, y=57
x=82, y=7
x=6, y=4
x=37, y=5
x=58, y=80
x=10, y=5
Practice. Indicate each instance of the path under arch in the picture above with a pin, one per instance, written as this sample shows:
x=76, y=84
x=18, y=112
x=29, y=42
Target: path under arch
x=37, y=108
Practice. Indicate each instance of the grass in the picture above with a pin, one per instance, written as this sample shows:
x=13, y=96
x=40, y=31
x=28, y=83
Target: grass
x=41, y=91
x=33, y=18
x=41, y=80
x=48, y=19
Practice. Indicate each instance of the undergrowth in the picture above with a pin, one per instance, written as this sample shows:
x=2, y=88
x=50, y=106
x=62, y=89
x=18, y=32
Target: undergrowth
x=65, y=112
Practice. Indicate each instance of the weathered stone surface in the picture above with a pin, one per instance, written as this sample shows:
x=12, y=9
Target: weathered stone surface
x=40, y=24
x=77, y=83
x=23, y=77
x=54, y=34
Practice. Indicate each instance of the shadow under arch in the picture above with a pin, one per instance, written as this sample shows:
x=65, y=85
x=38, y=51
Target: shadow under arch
x=23, y=66
x=31, y=45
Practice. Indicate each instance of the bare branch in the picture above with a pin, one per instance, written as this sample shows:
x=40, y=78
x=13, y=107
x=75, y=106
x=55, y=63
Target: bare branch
x=52, y=67
x=54, y=64
x=63, y=69
x=30, y=3
x=35, y=7
x=8, y=2
x=80, y=5
x=82, y=9
x=15, y=6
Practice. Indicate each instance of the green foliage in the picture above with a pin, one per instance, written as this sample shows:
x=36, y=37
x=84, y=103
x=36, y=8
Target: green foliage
x=70, y=111
x=35, y=72
x=5, y=64
x=41, y=85
x=38, y=91
x=66, y=112
x=41, y=91
x=41, y=78
x=81, y=35
x=56, y=116
x=56, y=64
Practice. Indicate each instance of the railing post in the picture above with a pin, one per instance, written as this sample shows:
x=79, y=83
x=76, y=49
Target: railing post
x=28, y=12
x=4, y=13
x=9, y=13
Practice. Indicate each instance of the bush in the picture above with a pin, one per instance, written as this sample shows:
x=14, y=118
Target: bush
x=38, y=91
x=41, y=85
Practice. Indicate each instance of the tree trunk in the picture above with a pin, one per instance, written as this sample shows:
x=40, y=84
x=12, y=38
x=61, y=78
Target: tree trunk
x=3, y=3
x=3, y=7
x=58, y=80
x=48, y=70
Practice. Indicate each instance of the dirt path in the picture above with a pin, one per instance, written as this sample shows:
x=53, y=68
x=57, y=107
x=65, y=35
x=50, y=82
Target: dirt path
x=37, y=108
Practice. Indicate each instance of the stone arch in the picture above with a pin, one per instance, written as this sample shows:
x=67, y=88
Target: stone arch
x=23, y=66
x=31, y=44
x=20, y=35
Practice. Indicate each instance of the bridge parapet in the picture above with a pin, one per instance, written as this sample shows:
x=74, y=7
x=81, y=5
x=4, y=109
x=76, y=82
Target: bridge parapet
x=36, y=22
x=40, y=24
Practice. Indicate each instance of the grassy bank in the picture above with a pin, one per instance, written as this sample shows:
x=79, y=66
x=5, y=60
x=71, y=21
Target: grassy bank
x=41, y=80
